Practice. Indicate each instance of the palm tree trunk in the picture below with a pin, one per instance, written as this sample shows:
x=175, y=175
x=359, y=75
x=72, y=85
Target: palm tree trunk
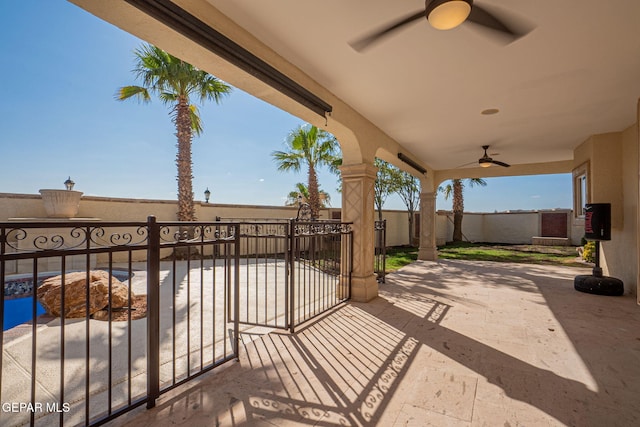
x=458, y=210
x=457, y=227
x=186, y=209
x=314, y=197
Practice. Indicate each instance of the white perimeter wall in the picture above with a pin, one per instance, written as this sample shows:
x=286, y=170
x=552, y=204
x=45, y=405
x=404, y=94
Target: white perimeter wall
x=509, y=227
x=503, y=227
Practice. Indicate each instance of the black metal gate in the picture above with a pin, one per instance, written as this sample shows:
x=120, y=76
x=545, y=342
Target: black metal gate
x=320, y=259
x=292, y=270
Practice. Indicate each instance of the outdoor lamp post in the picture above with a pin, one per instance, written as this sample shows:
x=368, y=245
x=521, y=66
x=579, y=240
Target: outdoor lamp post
x=69, y=184
x=299, y=199
x=207, y=194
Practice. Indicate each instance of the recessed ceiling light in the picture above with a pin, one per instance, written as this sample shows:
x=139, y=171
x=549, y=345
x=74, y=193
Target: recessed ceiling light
x=490, y=111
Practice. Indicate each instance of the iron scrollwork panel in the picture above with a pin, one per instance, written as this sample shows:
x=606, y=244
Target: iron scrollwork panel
x=23, y=238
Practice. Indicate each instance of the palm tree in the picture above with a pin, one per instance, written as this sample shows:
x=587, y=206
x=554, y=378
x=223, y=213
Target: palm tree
x=314, y=147
x=456, y=187
x=301, y=194
x=176, y=82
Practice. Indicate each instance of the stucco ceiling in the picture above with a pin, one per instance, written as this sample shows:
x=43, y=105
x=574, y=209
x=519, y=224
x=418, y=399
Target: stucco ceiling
x=576, y=74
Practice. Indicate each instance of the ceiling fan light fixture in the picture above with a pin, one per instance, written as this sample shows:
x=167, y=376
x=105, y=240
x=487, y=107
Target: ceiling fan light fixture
x=447, y=14
x=484, y=163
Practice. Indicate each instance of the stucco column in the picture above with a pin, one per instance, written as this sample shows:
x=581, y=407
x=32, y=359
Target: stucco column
x=357, y=207
x=428, y=250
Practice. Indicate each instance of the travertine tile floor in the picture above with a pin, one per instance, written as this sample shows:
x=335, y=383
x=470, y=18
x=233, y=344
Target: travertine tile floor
x=448, y=343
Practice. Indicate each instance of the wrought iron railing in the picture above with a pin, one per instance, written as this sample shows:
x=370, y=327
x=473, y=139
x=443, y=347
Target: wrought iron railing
x=198, y=282
x=82, y=370
x=380, y=260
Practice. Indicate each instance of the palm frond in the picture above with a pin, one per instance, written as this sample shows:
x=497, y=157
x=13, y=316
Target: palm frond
x=213, y=89
x=168, y=97
x=173, y=79
x=302, y=191
x=137, y=92
x=334, y=165
x=446, y=190
x=287, y=161
x=476, y=181
x=196, y=121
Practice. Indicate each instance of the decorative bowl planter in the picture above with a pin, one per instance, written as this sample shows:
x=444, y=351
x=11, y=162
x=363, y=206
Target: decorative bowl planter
x=61, y=203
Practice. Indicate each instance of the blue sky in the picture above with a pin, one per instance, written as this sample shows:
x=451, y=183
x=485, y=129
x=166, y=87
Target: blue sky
x=61, y=69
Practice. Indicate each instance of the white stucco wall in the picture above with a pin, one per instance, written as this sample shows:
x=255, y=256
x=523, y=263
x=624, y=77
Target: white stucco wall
x=397, y=227
x=512, y=227
x=501, y=227
x=509, y=227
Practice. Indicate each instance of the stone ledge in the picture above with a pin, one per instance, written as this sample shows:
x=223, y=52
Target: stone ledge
x=551, y=241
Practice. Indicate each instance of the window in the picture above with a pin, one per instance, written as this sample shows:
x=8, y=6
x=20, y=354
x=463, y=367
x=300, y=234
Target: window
x=582, y=192
x=580, y=189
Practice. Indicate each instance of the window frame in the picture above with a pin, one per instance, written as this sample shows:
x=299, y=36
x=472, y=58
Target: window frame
x=581, y=193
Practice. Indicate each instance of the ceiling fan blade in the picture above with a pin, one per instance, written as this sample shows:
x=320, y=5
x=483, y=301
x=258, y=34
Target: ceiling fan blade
x=365, y=42
x=466, y=164
x=483, y=17
x=499, y=163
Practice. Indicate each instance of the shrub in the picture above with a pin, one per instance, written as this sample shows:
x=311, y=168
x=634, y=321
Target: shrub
x=589, y=252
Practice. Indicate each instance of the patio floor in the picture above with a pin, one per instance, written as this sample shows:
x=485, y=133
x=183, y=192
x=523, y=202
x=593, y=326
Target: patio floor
x=452, y=343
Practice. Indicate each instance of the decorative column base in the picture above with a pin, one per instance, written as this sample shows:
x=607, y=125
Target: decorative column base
x=364, y=289
x=428, y=254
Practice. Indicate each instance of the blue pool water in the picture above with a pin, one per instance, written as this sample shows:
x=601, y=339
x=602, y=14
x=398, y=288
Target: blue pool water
x=19, y=310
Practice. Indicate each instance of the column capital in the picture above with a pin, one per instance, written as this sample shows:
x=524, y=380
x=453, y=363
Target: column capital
x=359, y=171
x=426, y=195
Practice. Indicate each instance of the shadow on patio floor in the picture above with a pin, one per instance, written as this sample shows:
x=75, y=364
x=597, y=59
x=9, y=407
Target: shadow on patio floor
x=447, y=343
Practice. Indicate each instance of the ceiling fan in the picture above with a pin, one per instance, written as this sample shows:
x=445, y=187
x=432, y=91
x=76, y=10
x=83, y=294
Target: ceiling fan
x=446, y=15
x=486, y=161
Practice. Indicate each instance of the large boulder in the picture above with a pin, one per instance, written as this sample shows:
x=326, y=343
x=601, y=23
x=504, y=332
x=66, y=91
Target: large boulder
x=75, y=293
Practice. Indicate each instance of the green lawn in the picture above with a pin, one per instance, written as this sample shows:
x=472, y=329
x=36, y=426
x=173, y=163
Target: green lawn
x=398, y=257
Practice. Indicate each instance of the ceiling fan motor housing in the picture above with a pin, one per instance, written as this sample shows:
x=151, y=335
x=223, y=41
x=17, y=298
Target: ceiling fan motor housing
x=485, y=162
x=447, y=14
